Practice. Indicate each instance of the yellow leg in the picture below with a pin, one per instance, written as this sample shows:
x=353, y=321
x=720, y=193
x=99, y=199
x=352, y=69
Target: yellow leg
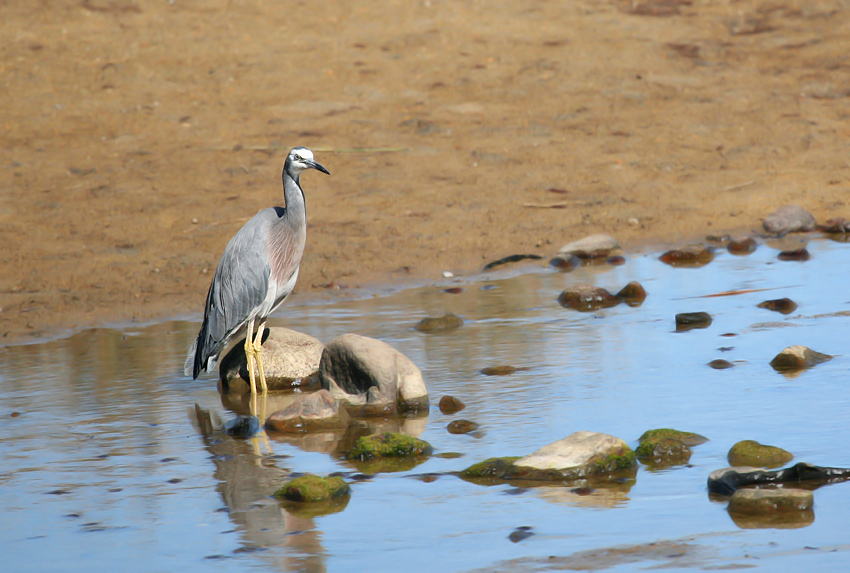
x=250, y=355
x=258, y=350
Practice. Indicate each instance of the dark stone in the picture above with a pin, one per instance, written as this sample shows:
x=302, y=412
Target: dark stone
x=835, y=226
x=720, y=364
x=520, y=533
x=587, y=298
x=633, y=294
x=445, y=323
x=689, y=320
x=728, y=480
x=510, y=259
x=783, y=305
x=565, y=263
x=616, y=260
x=451, y=405
x=242, y=426
x=453, y=290
x=690, y=256
x=742, y=246
x=461, y=427
x=797, y=255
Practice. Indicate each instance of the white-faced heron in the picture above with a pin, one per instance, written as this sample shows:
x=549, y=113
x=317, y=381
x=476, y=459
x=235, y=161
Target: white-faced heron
x=256, y=273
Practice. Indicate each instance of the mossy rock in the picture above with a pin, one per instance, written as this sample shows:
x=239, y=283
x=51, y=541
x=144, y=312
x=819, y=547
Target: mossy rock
x=687, y=438
x=445, y=323
x=663, y=452
x=489, y=468
x=615, y=465
x=752, y=453
x=388, y=444
x=311, y=488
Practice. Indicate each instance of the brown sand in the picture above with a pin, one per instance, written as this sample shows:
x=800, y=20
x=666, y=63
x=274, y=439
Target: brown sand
x=136, y=137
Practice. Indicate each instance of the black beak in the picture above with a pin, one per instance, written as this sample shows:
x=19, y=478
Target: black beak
x=318, y=167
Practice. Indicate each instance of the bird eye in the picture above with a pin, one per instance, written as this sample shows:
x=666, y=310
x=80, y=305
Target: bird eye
x=298, y=158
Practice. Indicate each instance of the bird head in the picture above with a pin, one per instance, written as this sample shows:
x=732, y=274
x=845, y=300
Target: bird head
x=301, y=159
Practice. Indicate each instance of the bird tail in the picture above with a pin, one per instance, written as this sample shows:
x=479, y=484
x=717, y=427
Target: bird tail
x=189, y=365
x=196, y=362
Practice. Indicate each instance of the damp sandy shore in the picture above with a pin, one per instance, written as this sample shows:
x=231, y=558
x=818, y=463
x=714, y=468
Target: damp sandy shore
x=136, y=137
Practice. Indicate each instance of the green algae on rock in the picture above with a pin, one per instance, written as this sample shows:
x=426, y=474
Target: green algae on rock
x=489, y=468
x=388, y=444
x=687, y=438
x=311, y=488
x=754, y=454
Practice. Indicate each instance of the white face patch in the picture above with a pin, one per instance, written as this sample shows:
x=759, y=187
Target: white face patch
x=303, y=153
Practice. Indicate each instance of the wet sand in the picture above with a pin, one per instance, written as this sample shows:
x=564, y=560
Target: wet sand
x=137, y=137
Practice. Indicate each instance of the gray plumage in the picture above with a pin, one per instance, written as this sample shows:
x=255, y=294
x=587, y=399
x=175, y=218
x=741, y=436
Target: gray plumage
x=257, y=271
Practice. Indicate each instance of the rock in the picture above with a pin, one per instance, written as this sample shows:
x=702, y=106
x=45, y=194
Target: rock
x=756, y=501
x=242, y=426
x=445, y=323
x=290, y=360
x=800, y=255
x=591, y=247
x=498, y=370
x=663, y=452
x=312, y=488
x=312, y=412
x=586, y=298
x=720, y=364
x=461, y=427
x=796, y=358
x=370, y=374
x=690, y=256
x=835, y=226
x=616, y=260
x=783, y=305
x=720, y=240
x=726, y=481
x=579, y=455
x=789, y=219
x=451, y=405
x=565, y=263
x=520, y=533
x=690, y=320
x=687, y=438
x=743, y=246
x=489, y=468
x=510, y=259
x=753, y=454
x=633, y=294
x=386, y=445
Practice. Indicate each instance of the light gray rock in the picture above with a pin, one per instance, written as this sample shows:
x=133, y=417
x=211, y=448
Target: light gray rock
x=591, y=247
x=579, y=455
x=789, y=219
x=371, y=374
x=316, y=411
x=290, y=359
x=796, y=358
x=770, y=500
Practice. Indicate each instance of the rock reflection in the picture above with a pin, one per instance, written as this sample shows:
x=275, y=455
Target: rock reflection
x=786, y=520
x=600, y=496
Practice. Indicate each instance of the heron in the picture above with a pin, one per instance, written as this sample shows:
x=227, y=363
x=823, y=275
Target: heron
x=256, y=273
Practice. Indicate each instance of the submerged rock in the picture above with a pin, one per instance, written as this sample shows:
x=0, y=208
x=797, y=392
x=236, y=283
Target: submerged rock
x=796, y=358
x=586, y=298
x=720, y=364
x=520, y=533
x=242, y=426
x=743, y=246
x=451, y=405
x=290, y=359
x=688, y=438
x=758, y=501
x=800, y=255
x=565, y=263
x=461, y=427
x=789, y=219
x=690, y=256
x=372, y=375
x=445, y=323
x=388, y=444
x=590, y=247
x=633, y=294
x=726, y=481
x=312, y=488
x=663, y=452
x=753, y=454
x=498, y=370
x=579, y=455
x=690, y=320
x=783, y=305
x=316, y=411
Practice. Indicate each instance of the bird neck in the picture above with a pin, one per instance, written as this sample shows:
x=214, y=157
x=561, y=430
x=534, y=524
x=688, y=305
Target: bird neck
x=294, y=195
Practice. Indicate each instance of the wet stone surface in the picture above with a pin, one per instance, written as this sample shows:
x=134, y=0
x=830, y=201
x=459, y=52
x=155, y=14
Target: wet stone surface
x=587, y=298
x=445, y=323
x=783, y=305
x=690, y=320
x=690, y=256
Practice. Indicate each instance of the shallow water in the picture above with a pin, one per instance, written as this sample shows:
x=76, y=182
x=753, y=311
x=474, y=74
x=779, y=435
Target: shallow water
x=106, y=464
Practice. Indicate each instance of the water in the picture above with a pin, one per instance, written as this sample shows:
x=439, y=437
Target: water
x=106, y=465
